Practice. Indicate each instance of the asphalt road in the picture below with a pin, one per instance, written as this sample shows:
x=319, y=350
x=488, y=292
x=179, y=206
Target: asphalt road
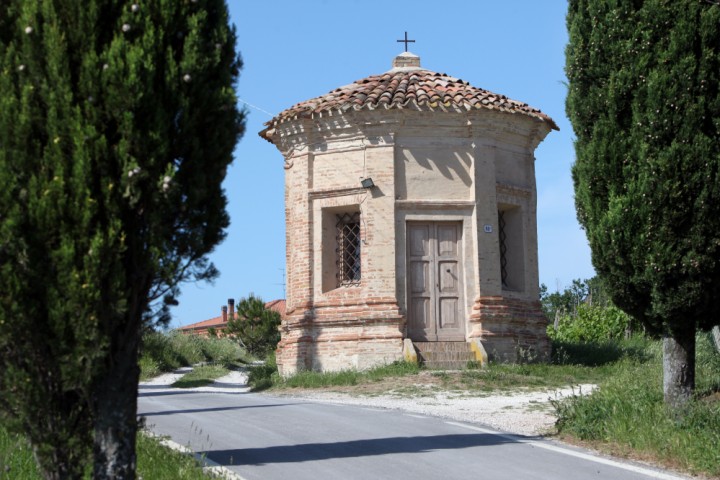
x=262, y=437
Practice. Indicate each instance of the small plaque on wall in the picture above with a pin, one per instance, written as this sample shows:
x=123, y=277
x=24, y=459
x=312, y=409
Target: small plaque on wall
x=488, y=228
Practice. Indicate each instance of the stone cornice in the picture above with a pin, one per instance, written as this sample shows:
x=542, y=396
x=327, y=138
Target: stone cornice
x=512, y=190
x=436, y=204
x=336, y=192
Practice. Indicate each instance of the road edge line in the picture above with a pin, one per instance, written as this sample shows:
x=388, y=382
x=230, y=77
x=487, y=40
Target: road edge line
x=650, y=472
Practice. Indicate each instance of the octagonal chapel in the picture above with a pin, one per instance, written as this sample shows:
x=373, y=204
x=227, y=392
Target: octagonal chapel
x=410, y=206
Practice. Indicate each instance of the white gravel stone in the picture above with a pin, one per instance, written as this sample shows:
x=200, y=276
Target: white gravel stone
x=526, y=413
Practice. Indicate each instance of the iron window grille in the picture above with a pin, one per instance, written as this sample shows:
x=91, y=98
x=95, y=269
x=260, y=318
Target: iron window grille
x=503, y=248
x=348, y=249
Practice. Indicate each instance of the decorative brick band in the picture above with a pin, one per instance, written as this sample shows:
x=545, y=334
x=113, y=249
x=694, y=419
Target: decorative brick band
x=335, y=337
x=511, y=329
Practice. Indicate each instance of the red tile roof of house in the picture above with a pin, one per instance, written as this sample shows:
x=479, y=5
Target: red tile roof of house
x=277, y=306
x=217, y=322
x=406, y=87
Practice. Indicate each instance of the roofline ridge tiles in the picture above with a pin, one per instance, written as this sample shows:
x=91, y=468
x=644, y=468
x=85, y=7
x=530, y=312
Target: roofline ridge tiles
x=421, y=87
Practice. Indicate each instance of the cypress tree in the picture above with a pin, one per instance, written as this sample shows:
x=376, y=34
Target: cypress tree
x=117, y=123
x=644, y=101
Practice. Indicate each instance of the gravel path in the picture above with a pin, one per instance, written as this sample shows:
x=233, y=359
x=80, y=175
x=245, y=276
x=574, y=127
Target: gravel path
x=522, y=412
x=526, y=413
x=234, y=382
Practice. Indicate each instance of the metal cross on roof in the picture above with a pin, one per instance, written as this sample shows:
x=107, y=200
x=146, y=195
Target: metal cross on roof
x=406, y=41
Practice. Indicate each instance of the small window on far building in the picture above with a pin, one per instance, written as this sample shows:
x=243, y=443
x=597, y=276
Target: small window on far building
x=347, y=234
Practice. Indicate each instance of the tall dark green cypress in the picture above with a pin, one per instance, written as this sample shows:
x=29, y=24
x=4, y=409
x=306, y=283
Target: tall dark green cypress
x=644, y=101
x=118, y=120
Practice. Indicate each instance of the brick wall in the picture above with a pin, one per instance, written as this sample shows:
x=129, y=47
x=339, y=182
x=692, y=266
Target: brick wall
x=510, y=329
x=427, y=166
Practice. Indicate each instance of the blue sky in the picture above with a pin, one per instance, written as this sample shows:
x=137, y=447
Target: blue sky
x=295, y=50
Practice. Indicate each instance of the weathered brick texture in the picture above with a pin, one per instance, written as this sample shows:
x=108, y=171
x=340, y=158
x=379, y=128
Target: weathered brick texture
x=510, y=329
x=431, y=160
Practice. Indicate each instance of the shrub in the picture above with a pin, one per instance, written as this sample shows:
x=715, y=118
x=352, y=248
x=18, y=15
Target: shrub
x=165, y=352
x=172, y=350
x=188, y=348
x=223, y=351
x=149, y=367
x=255, y=326
x=593, y=354
x=157, y=347
x=261, y=377
x=591, y=324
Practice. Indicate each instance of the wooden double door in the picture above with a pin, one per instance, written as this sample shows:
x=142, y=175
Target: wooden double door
x=434, y=281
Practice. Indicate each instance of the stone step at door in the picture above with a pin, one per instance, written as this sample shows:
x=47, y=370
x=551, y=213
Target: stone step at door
x=444, y=355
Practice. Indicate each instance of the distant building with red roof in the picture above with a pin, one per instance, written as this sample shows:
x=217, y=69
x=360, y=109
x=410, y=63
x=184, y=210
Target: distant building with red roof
x=227, y=311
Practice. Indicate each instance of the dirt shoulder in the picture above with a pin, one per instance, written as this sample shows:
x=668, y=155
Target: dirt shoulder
x=521, y=410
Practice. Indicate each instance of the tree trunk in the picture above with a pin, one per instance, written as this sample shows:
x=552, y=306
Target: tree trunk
x=716, y=337
x=116, y=418
x=679, y=366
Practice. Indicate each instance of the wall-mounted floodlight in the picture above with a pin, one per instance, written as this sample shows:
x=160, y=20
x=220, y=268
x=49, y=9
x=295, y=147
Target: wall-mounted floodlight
x=367, y=183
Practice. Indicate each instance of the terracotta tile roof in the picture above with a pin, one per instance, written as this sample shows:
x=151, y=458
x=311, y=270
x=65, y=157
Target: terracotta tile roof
x=406, y=88
x=277, y=305
x=217, y=322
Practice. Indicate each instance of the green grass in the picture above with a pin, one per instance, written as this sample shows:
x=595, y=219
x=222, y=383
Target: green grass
x=16, y=459
x=307, y=379
x=572, y=364
x=165, y=352
x=505, y=377
x=266, y=376
x=626, y=416
x=595, y=354
x=200, y=376
x=396, y=369
x=627, y=413
x=158, y=462
x=154, y=461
